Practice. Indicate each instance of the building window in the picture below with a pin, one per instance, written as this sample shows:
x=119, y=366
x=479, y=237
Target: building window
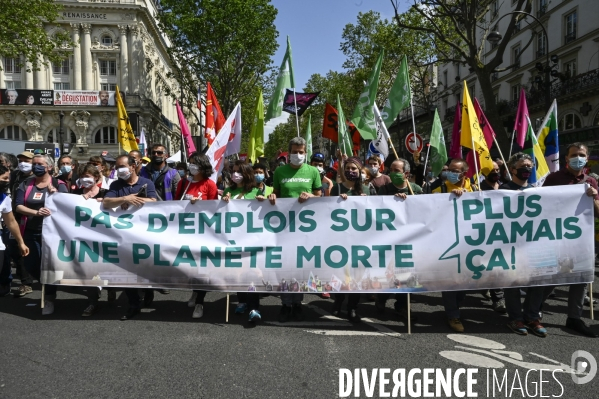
x=445, y=79
x=62, y=86
x=516, y=57
x=569, y=68
x=12, y=84
x=542, y=8
x=61, y=68
x=107, y=68
x=105, y=135
x=571, y=24
x=107, y=40
x=471, y=89
x=13, y=133
x=517, y=27
x=53, y=136
x=541, y=43
x=108, y=86
x=515, y=92
x=494, y=9
x=569, y=122
x=11, y=65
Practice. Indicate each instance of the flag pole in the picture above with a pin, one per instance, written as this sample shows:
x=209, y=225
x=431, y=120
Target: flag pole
x=296, y=117
x=412, y=107
x=502, y=158
x=512, y=143
x=475, y=161
x=428, y=149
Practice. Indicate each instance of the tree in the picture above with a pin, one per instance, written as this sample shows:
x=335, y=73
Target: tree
x=229, y=43
x=460, y=28
x=22, y=32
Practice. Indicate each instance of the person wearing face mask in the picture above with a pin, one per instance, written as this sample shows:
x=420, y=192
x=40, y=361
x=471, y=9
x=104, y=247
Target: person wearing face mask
x=197, y=187
x=374, y=166
x=523, y=317
x=577, y=155
x=165, y=178
x=430, y=186
x=17, y=177
x=128, y=191
x=260, y=171
x=135, y=154
x=295, y=180
x=31, y=198
x=11, y=227
x=88, y=186
x=317, y=161
x=182, y=170
x=399, y=173
x=100, y=164
x=66, y=172
x=351, y=185
x=457, y=184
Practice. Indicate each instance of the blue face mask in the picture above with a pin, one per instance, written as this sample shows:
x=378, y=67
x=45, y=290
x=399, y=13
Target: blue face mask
x=453, y=177
x=64, y=169
x=259, y=178
x=577, y=163
x=444, y=175
x=181, y=172
x=39, y=170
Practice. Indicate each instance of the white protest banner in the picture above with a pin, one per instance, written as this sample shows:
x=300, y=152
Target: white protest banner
x=541, y=236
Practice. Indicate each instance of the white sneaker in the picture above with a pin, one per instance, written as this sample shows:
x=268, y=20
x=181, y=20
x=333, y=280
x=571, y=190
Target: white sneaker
x=198, y=312
x=192, y=301
x=48, y=308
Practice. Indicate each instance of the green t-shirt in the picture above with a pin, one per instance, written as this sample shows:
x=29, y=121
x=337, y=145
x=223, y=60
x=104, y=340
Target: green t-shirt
x=251, y=195
x=291, y=183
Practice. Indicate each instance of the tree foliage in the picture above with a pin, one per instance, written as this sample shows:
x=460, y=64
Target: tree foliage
x=22, y=31
x=459, y=28
x=229, y=43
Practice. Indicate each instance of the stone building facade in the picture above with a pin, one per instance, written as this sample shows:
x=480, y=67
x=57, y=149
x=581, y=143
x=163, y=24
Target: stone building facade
x=117, y=42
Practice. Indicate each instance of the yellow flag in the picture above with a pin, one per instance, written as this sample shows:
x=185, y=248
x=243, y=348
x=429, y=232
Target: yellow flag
x=472, y=135
x=125, y=132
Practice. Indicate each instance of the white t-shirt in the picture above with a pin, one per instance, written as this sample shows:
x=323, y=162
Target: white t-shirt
x=5, y=207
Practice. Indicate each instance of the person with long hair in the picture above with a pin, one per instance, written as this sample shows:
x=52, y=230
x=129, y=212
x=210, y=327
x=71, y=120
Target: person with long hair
x=197, y=187
x=351, y=185
x=104, y=170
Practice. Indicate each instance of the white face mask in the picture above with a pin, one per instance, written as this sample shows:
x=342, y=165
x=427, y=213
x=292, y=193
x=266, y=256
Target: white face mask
x=363, y=177
x=123, y=173
x=320, y=169
x=297, y=159
x=237, y=177
x=374, y=170
x=24, y=167
x=193, y=169
x=87, y=182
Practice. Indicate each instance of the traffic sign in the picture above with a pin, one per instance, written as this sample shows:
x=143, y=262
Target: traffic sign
x=414, y=142
x=56, y=152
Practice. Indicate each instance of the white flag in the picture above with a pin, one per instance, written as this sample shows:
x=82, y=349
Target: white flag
x=143, y=144
x=226, y=142
x=380, y=144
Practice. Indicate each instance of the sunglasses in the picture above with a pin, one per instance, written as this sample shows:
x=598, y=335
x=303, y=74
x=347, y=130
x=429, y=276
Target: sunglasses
x=157, y=152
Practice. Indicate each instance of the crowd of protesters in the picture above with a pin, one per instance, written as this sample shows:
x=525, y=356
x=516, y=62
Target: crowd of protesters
x=27, y=179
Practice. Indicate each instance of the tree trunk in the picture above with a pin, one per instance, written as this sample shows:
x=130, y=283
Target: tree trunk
x=484, y=79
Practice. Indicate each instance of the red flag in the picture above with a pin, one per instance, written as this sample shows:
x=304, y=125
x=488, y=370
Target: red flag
x=329, y=127
x=185, y=133
x=521, y=122
x=455, y=151
x=214, y=116
x=487, y=131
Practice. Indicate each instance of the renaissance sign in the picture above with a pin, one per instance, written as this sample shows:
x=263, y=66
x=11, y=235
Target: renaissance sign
x=495, y=239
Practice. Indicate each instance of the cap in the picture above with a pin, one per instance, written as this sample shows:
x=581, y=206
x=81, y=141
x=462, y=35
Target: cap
x=26, y=154
x=318, y=157
x=146, y=159
x=106, y=156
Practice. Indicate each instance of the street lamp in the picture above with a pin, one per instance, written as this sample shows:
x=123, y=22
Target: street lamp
x=495, y=37
x=61, y=134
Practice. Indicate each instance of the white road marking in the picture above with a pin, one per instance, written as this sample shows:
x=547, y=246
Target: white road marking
x=353, y=333
x=471, y=359
x=311, y=323
x=476, y=341
x=544, y=358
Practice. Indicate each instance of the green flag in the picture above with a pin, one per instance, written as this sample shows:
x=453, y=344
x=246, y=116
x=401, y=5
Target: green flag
x=399, y=96
x=284, y=80
x=256, y=147
x=309, y=139
x=438, y=155
x=343, y=139
x=363, y=116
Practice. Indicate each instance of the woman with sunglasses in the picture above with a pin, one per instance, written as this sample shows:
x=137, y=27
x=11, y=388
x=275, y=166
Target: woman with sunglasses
x=197, y=187
x=351, y=185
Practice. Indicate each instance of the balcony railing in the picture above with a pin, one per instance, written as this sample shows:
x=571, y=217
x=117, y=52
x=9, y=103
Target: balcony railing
x=494, y=76
x=542, y=11
x=541, y=53
x=570, y=37
x=450, y=114
x=516, y=65
x=577, y=84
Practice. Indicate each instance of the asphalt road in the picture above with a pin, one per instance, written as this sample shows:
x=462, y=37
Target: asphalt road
x=163, y=353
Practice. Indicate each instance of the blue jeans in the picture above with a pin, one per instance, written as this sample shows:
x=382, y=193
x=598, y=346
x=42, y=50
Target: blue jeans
x=451, y=302
x=33, y=261
x=527, y=311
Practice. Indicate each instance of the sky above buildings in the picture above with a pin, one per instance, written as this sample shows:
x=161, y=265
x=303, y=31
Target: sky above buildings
x=314, y=28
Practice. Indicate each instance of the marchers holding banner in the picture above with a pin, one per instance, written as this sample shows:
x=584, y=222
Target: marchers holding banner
x=542, y=236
